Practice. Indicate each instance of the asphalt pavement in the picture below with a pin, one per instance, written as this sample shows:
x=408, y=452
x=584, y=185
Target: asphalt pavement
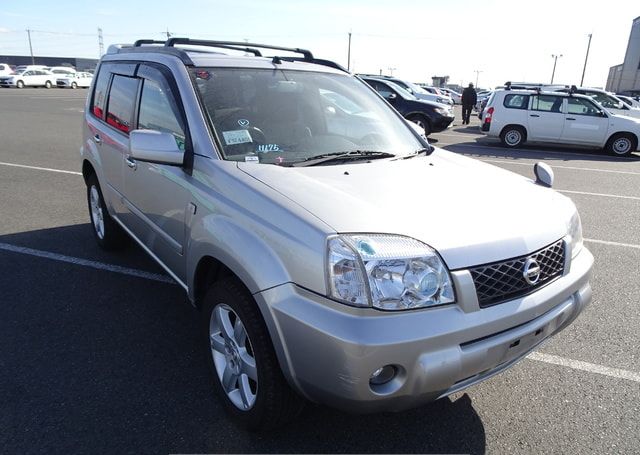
x=100, y=353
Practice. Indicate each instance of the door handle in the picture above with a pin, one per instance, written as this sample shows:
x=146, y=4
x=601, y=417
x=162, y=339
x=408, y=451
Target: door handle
x=570, y=118
x=534, y=115
x=97, y=139
x=131, y=162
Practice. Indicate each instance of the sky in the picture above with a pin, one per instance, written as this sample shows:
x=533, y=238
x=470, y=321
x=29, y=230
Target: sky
x=414, y=40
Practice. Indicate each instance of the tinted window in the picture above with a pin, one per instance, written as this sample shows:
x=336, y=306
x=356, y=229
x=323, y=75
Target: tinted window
x=158, y=111
x=121, y=102
x=547, y=103
x=100, y=94
x=577, y=106
x=516, y=101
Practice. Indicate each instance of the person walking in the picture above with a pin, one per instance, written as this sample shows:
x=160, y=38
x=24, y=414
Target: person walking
x=469, y=99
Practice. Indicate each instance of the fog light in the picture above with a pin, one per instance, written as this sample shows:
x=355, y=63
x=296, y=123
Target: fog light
x=382, y=375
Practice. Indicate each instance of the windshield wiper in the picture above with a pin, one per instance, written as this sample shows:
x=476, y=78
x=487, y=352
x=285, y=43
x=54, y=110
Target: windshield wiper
x=419, y=152
x=352, y=155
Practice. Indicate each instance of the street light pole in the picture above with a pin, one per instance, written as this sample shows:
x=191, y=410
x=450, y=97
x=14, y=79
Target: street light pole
x=478, y=74
x=391, y=70
x=585, y=60
x=349, y=54
x=33, y=62
x=555, y=61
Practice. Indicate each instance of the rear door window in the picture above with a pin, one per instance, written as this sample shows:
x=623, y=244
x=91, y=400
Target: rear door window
x=121, y=102
x=547, y=103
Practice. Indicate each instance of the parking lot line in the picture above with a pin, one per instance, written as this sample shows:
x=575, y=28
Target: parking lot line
x=568, y=152
x=607, y=242
x=40, y=168
x=585, y=366
x=87, y=263
x=508, y=161
x=599, y=194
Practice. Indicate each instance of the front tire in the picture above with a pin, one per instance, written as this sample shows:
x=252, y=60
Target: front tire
x=422, y=122
x=106, y=231
x=622, y=144
x=19, y=84
x=513, y=136
x=74, y=85
x=47, y=84
x=244, y=365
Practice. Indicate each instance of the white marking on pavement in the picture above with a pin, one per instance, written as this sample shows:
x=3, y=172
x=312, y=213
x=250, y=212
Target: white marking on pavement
x=87, y=263
x=568, y=153
x=576, y=168
x=600, y=194
x=606, y=242
x=40, y=168
x=585, y=366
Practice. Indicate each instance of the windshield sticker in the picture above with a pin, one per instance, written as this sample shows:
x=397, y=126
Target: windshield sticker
x=264, y=148
x=251, y=159
x=279, y=160
x=202, y=74
x=236, y=137
x=243, y=122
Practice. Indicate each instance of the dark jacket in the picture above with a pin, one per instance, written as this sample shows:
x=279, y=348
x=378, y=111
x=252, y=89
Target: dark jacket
x=469, y=96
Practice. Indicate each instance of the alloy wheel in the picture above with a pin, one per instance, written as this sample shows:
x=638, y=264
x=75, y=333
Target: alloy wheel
x=97, y=217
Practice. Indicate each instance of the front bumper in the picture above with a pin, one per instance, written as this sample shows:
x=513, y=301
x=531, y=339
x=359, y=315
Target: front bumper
x=7, y=83
x=441, y=123
x=328, y=350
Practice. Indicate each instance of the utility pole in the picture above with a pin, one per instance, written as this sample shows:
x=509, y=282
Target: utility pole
x=391, y=70
x=33, y=62
x=585, y=60
x=167, y=33
x=100, y=43
x=349, y=54
x=555, y=61
x=478, y=74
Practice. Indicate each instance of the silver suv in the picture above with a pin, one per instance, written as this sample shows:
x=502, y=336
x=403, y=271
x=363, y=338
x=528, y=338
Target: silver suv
x=334, y=254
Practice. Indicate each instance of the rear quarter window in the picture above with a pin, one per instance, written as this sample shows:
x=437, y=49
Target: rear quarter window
x=99, y=99
x=514, y=101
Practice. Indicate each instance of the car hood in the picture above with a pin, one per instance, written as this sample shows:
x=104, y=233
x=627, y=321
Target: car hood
x=470, y=212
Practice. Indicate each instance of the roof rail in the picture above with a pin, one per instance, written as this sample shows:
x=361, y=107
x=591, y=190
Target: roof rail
x=140, y=42
x=237, y=45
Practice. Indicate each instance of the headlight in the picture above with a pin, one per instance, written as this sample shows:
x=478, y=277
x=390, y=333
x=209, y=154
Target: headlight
x=389, y=272
x=443, y=111
x=575, y=232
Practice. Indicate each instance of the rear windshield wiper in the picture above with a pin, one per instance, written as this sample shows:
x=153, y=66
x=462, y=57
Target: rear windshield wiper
x=352, y=155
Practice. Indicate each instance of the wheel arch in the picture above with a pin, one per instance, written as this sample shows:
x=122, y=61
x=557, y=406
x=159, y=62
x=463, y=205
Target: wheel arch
x=87, y=170
x=623, y=133
x=518, y=125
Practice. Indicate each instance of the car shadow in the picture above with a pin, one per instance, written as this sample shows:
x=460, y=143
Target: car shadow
x=489, y=148
x=98, y=361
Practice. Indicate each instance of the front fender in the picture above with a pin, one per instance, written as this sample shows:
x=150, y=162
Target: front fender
x=241, y=250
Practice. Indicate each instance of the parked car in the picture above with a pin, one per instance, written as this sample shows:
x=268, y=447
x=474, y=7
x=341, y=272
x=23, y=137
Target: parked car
x=629, y=101
x=455, y=96
x=482, y=97
x=431, y=117
x=416, y=90
x=518, y=116
x=608, y=100
x=75, y=80
x=5, y=69
x=355, y=271
x=28, y=78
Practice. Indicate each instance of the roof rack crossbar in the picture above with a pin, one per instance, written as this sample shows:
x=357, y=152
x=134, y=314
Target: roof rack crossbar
x=237, y=45
x=140, y=42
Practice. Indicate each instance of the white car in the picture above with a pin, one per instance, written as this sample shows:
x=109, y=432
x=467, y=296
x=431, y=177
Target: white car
x=5, y=69
x=629, y=101
x=516, y=116
x=416, y=90
x=29, y=78
x=455, y=96
x=608, y=100
x=75, y=80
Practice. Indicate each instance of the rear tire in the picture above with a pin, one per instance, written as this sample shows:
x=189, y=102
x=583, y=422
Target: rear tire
x=74, y=85
x=422, y=122
x=106, y=231
x=241, y=354
x=622, y=144
x=513, y=136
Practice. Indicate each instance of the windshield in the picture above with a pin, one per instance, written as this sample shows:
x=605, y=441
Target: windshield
x=605, y=100
x=283, y=117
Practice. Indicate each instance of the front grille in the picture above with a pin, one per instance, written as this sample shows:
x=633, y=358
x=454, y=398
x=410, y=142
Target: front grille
x=502, y=281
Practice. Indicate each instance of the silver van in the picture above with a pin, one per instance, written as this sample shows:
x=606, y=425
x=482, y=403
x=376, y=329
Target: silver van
x=334, y=254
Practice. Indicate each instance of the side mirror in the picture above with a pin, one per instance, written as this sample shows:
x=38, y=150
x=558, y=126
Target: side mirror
x=391, y=96
x=544, y=174
x=601, y=114
x=155, y=147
